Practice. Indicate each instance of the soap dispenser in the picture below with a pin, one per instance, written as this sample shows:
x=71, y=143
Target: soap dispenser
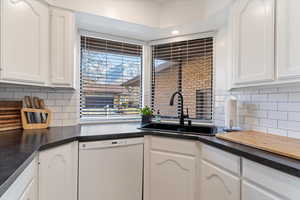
x=158, y=117
x=231, y=114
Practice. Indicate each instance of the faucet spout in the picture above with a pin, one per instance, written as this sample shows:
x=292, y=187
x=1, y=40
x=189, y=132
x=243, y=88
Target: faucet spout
x=182, y=116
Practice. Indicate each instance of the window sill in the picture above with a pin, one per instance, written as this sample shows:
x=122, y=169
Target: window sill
x=113, y=121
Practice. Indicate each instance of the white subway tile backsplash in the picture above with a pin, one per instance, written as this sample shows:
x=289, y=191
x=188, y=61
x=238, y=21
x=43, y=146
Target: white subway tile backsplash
x=294, y=116
x=277, y=131
x=289, y=89
x=274, y=110
x=252, y=121
x=294, y=134
x=256, y=113
x=41, y=95
x=268, y=90
x=6, y=95
x=268, y=106
x=69, y=108
x=277, y=115
x=289, y=125
x=294, y=97
x=269, y=123
x=259, y=97
x=281, y=97
x=63, y=103
x=290, y=107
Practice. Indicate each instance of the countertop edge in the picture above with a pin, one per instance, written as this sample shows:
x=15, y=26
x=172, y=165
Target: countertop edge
x=8, y=182
x=224, y=145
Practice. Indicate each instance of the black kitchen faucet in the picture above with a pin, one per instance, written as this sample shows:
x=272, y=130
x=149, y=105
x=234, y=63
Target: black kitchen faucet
x=182, y=115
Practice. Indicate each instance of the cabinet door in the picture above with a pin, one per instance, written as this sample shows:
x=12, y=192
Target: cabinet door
x=25, y=186
x=252, y=192
x=58, y=172
x=288, y=31
x=252, y=23
x=218, y=184
x=30, y=192
x=24, y=41
x=62, y=47
x=172, y=176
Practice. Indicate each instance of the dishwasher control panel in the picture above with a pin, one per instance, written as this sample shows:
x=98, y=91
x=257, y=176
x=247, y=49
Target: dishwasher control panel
x=110, y=143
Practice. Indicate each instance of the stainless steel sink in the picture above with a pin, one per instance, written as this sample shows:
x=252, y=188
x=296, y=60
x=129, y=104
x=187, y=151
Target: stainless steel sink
x=194, y=129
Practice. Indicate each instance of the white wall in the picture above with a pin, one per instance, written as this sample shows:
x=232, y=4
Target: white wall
x=134, y=11
x=174, y=13
x=156, y=14
x=212, y=7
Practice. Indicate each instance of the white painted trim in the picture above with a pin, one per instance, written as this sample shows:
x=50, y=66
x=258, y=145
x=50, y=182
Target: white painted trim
x=93, y=34
x=146, y=75
x=184, y=38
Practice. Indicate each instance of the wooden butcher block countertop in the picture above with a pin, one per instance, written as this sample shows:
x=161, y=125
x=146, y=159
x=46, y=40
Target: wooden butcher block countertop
x=281, y=145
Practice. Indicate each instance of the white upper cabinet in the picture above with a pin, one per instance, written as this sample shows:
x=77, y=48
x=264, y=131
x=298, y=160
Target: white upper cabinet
x=288, y=40
x=58, y=171
x=24, y=41
x=62, y=47
x=252, y=26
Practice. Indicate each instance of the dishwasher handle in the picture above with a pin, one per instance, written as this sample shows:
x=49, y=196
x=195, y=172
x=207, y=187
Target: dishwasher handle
x=110, y=143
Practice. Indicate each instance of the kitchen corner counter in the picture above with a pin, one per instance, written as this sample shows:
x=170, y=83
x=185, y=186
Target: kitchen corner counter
x=18, y=148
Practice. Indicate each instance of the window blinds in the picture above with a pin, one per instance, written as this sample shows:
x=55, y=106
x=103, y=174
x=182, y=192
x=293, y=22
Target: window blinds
x=187, y=67
x=110, y=79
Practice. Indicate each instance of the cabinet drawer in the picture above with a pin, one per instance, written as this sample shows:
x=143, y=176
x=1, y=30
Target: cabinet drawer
x=174, y=145
x=271, y=179
x=222, y=159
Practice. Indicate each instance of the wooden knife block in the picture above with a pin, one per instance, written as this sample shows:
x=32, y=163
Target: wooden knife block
x=27, y=125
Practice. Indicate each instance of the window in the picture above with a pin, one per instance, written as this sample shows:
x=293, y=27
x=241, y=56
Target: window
x=187, y=67
x=110, y=79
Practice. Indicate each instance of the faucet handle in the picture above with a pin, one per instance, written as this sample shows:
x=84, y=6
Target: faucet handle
x=187, y=113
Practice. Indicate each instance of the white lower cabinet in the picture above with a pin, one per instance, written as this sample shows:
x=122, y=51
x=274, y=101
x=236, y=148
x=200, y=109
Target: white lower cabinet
x=264, y=183
x=25, y=186
x=31, y=191
x=171, y=169
x=220, y=175
x=58, y=171
x=253, y=192
x=218, y=184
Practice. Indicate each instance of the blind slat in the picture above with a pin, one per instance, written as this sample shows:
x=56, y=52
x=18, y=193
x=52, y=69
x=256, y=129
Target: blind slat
x=186, y=67
x=110, y=79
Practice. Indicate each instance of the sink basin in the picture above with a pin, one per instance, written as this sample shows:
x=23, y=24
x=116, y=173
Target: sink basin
x=195, y=129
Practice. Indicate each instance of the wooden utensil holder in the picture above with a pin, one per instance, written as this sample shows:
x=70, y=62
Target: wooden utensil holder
x=27, y=125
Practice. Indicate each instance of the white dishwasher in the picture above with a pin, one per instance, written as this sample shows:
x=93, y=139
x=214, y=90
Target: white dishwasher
x=111, y=169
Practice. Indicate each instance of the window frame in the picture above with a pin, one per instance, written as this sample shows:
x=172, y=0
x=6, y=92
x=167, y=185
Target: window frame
x=211, y=34
x=116, y=39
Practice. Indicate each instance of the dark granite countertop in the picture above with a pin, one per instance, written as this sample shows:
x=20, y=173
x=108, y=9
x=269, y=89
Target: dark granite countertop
x=18, y=148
